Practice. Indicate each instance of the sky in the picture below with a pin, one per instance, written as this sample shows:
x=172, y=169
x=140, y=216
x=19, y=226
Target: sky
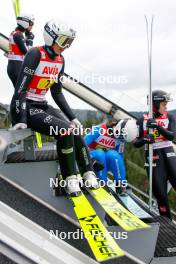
x=109, y=53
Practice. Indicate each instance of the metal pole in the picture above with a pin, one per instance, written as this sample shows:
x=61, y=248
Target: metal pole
x=149, y=29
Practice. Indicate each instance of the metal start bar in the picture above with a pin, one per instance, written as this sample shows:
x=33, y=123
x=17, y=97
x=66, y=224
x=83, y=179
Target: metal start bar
x=94, y=99
x=8, y=137
x=11, y=136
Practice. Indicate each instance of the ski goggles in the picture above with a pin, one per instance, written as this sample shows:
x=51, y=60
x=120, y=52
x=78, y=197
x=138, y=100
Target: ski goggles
x=64, y=41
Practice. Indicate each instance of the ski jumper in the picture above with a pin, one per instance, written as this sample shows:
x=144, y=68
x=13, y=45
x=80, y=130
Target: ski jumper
x=163, y=156
x=29, y=106
x=108, y=150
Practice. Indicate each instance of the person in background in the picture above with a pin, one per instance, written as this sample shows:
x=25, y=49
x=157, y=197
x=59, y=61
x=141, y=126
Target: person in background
x=29, y=107
x=164, y=157
x=20, y=41
x=107, y=144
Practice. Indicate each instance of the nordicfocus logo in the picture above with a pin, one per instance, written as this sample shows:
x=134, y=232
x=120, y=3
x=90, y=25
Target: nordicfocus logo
x=79, y=234
x=56, y=182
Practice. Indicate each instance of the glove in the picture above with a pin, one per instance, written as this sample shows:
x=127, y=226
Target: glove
x=29, y=35
x=149, y=139
x=75, y=122
x=97, y=165
x=19, y=126
x=151, y=123
x=29, y=38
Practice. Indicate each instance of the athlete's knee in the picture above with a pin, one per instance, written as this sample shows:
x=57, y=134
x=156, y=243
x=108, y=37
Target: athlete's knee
x=98, y=154
x=112, y=154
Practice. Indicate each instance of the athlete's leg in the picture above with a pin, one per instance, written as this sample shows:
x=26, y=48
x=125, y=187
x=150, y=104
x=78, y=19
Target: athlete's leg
x=99, y=155
x=160, y=183
x=39, y=120
x=13, y=70
x=116, y=165
x=56, y=112
x=171, y=165
x=82, y=153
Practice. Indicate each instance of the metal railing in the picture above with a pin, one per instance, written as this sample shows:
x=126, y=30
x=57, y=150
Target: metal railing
x=8, y=136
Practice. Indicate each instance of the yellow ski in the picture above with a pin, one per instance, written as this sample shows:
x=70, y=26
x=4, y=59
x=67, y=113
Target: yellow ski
x=116, y=211
x=101, y=242
x=39, y=140
x=16, y=6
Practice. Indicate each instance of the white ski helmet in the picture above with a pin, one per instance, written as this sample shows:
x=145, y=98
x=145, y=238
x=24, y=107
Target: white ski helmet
x=126, y=129
x=56, y=32
x=25, y=20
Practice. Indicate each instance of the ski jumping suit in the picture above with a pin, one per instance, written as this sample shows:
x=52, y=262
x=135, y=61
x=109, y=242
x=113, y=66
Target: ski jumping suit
x=29, y=106
x=108, y=150
x=163, y=156
x=18, y=47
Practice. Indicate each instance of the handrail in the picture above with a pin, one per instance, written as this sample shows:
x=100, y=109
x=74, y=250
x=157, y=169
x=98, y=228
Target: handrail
x=11, y=136
x=146, y=196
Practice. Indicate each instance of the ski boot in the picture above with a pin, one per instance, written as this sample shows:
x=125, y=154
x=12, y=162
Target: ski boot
x=121, y=191
x=97, y=165
x=72, y=186
x=90, y=180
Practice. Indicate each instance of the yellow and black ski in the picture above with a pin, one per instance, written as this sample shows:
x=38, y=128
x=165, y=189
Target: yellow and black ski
x=101, y=242
x=116, y=211
x=16, y=6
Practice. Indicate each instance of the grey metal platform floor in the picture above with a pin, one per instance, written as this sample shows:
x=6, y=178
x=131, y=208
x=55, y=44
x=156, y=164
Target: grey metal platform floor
x=6, y=260
x=46, y=218
x=50, y=168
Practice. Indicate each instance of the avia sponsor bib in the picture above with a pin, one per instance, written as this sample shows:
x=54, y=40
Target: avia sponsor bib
x=107, y=142
x=160, y=140
x=45, y=75
x=50, y=70
x=14, y=52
